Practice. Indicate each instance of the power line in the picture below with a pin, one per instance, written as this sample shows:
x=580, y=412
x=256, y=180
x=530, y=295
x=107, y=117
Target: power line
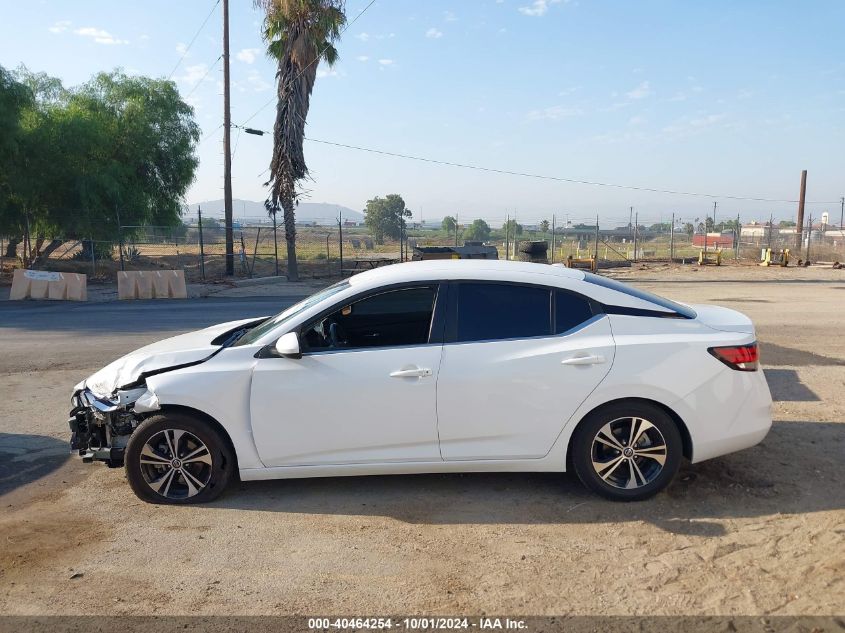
x=316, y=58
x=555, y=178
x=545, y=177
x=193, y=39
x=202, y=79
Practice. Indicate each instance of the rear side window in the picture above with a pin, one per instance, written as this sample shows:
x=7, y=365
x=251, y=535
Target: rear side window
x=492, y=311
x=683, y=310
x=571, y=310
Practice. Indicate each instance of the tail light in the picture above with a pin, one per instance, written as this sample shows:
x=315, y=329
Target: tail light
x=739, y=357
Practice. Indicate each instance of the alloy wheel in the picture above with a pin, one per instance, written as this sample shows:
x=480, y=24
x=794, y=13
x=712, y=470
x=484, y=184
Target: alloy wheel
x=628, y=452
x=176, y=464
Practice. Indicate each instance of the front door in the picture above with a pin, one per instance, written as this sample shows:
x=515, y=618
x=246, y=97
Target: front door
x=364, y=390
x=517, y=362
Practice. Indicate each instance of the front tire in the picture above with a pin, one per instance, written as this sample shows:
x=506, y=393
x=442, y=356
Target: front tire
x=177, y=459
x=628, y=451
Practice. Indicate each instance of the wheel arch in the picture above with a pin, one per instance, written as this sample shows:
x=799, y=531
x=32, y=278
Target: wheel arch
x=204, y=417
x=686, y=438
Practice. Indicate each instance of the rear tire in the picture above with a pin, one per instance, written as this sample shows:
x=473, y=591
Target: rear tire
x=628, y=451
x=177, y=459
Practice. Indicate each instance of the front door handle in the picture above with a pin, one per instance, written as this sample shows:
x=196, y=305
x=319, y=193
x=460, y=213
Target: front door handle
x=417, y=372
x=584, y=360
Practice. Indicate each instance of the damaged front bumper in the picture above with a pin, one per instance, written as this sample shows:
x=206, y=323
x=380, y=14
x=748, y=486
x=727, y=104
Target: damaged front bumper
x=100, y=427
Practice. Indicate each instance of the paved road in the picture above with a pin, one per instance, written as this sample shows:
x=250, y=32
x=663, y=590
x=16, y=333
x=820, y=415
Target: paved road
x=132, y=316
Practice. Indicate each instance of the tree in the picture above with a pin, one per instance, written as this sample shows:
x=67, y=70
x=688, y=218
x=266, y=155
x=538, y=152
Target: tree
x=386, y=217
x=449, y=224
x=689, y=228
x=15, y=97
x=512, y=228
x=660, y=227
x=544, y=226
x=785, y=224
x=299, y=34
x=116, y=144
x=479, y=230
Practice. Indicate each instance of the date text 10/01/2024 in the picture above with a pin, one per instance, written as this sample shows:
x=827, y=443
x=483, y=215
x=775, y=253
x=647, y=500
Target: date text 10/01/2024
x=416, y=623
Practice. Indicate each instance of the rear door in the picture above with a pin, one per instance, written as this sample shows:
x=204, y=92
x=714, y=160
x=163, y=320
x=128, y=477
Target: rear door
x=518, y=360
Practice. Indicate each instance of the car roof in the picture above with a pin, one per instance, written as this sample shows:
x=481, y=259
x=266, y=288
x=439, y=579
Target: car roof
x=482, y=269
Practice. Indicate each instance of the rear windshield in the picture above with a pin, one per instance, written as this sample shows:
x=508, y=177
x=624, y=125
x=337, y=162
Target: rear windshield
x=605, y=282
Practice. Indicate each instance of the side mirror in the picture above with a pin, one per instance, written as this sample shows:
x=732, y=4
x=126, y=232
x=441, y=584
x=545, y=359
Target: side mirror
x=288, y=346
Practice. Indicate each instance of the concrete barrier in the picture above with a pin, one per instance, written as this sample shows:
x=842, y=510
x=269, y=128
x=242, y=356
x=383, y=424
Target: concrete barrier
x=41, y=284
x=151, y=284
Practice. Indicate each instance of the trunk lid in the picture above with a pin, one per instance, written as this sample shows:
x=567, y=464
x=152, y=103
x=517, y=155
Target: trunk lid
x=723, y=319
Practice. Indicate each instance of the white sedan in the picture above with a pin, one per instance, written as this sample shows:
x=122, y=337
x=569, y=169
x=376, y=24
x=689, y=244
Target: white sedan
x=433, y=367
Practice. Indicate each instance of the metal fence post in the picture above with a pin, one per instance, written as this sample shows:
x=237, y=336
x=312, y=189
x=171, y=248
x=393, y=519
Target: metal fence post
x=202, y=246
x=672, y=239
x=93, y=259
x=275, y=242
x=340, y=239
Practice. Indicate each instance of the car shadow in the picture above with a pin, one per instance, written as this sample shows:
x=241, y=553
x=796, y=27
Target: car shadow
x=26, y=458
x=785, y=386
x=796, y=469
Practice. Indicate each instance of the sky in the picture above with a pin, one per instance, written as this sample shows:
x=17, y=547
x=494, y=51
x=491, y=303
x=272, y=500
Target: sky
x=730, y=98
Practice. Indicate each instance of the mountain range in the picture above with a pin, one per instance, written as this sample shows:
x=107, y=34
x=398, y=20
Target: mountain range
x=322, y=213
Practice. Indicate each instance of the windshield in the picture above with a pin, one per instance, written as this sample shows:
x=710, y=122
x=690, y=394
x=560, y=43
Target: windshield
x=683, y=310
x=257, y=332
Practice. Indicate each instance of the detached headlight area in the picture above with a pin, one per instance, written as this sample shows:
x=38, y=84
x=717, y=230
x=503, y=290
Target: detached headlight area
x=100, y=427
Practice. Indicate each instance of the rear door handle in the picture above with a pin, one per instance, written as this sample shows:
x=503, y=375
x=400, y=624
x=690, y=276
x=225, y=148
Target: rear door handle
x=418, y=372
x=584, y=360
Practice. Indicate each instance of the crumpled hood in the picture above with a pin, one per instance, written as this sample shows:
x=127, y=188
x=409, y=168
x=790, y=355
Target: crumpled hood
x=177, y=350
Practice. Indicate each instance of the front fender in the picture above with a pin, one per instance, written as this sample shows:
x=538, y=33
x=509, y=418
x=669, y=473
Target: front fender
x=219, y=388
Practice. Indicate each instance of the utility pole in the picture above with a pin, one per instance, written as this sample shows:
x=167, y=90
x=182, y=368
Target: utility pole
x=456, y=229
x=736, y=238
x=841, y=213
x=227, y=152
x=553, y=239
x=799, y=225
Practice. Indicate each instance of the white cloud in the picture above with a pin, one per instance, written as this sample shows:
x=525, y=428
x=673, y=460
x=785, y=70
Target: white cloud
x=60, y=26
x=640, y=92
x=449, y=16
x=553, y=113
x=678, y=96
x=257, y=82
x=181, y=48
x=248, y=55
x=636, y=120
x=538, y=7
x=328, y=72
x=193, y=74
x=363, y=58
x=363, y=36
x=385, y=62
x=691, y=125
x=433, y=33
x=100, y=36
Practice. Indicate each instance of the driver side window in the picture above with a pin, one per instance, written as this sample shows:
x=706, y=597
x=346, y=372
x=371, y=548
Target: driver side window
x=387, y=319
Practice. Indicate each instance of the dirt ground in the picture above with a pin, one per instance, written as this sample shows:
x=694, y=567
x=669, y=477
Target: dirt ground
x=757, y=532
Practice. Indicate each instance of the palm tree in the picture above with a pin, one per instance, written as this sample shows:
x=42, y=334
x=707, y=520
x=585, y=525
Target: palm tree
x=299, y=34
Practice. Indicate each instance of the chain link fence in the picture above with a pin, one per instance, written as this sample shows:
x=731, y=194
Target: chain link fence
x=332, y=251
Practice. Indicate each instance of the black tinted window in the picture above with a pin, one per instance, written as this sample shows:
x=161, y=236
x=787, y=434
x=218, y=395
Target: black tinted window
x=500, y=311
x=395, y=317
x=571, y=310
